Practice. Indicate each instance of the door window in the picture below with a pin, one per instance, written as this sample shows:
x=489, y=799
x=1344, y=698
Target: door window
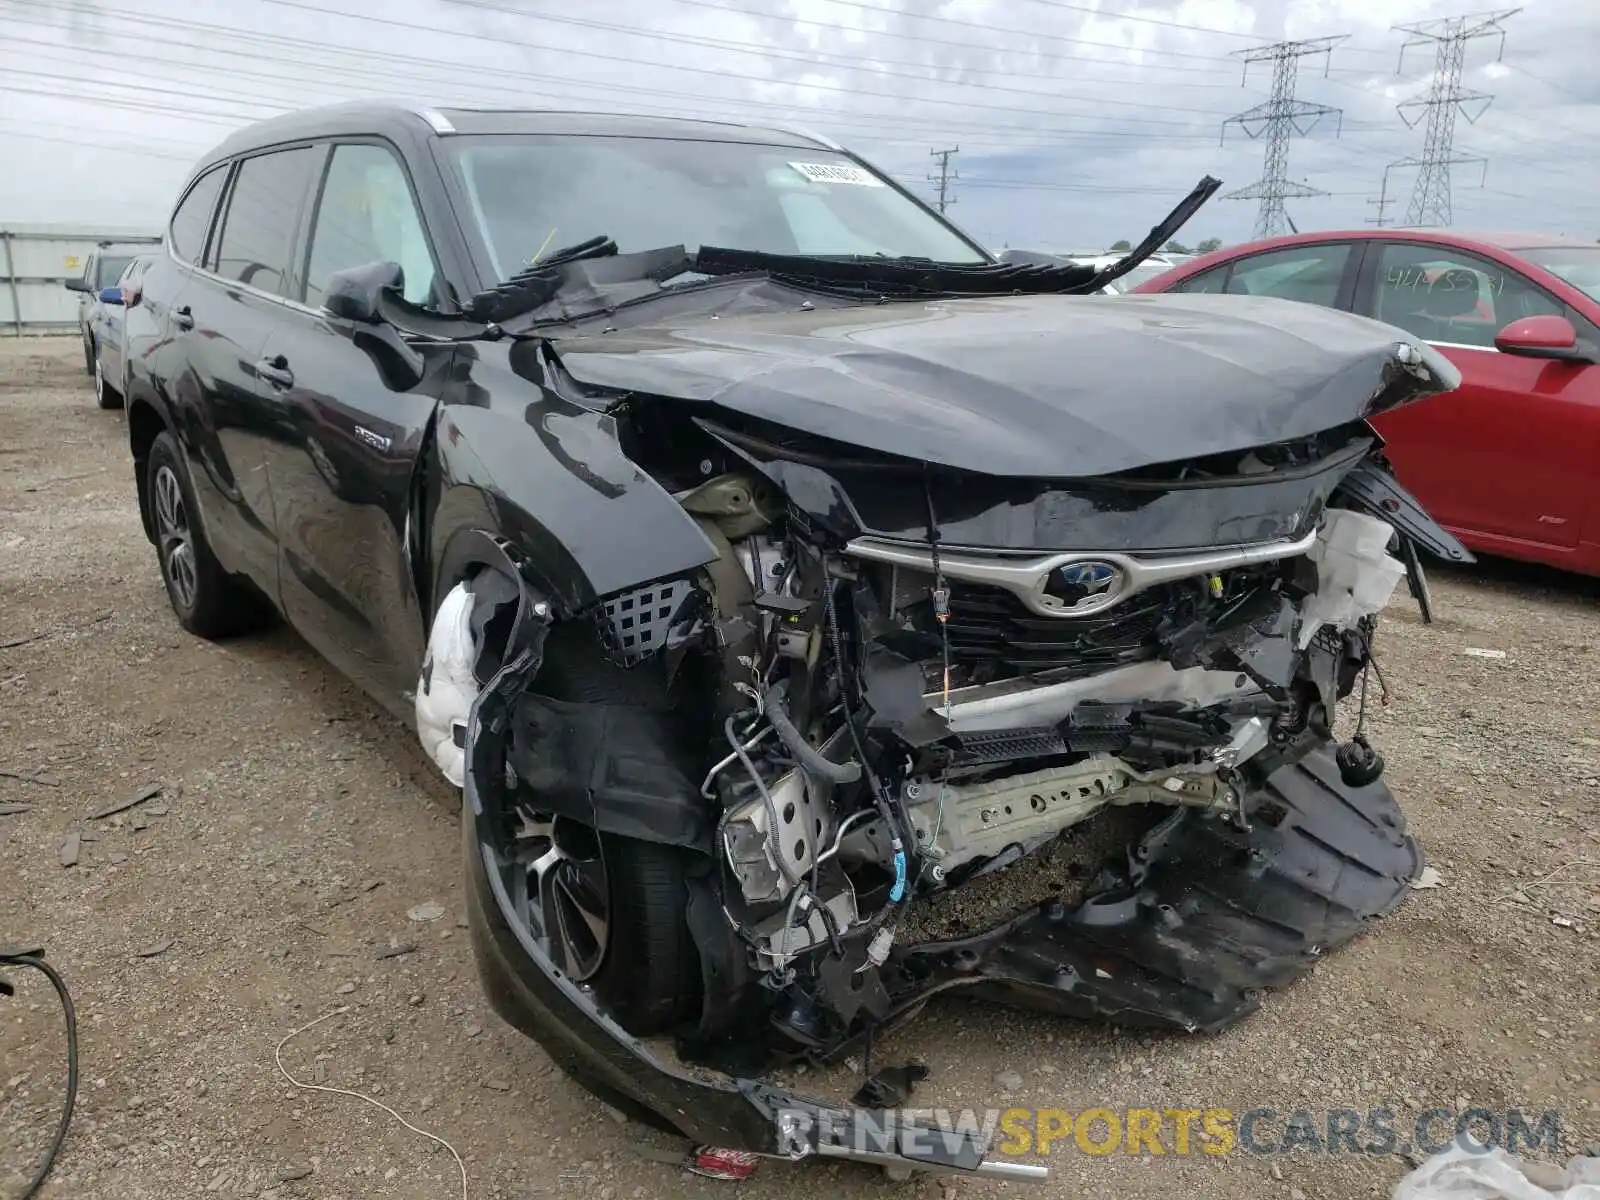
x=258, y=231
x=368, y=215
x=1440, y=294
x=192, y=221
x=1307, y=273
x=1207, y=281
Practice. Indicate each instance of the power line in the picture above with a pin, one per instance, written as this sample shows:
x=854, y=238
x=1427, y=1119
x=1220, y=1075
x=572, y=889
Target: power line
x=1033, y=35
x=1033, y=133
x=1110, y=15
x=717, y=72
x=943, y=178
x=872, y=119
x=876, y=66
x=1430, y=198
x=1278, y=118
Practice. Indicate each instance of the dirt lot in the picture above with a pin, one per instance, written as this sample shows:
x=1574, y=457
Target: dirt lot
x=300, y=826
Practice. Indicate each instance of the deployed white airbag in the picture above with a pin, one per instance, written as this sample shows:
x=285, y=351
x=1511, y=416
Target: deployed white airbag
x=447, y=686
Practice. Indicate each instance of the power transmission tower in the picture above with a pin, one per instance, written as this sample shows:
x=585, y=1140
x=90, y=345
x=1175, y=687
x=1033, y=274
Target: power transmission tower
x=945, y=176
x=1279, y=117
x=1430, y=198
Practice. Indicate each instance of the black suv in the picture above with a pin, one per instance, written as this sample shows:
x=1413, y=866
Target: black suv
x=765, y=560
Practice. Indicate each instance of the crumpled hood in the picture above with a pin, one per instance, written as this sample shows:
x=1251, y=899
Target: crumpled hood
x=1037, y=386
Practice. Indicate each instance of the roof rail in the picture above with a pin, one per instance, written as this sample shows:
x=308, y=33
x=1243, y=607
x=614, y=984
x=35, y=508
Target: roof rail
x=820, y=139
x=436, y=120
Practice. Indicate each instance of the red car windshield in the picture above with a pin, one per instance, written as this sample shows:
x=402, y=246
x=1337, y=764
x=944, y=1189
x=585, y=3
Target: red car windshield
x=1577, y=265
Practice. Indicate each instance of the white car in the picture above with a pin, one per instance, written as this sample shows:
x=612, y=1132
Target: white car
x=1156, y=264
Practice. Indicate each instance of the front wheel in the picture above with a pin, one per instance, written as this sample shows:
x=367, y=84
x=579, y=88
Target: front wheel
x=208, y=601
x=610, y=911
x=105, y=395
x=88, y=356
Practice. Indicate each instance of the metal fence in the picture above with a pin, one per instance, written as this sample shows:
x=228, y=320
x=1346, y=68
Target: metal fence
x=35, y=263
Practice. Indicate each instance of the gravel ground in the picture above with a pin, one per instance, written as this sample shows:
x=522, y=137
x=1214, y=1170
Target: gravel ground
x=298, y=827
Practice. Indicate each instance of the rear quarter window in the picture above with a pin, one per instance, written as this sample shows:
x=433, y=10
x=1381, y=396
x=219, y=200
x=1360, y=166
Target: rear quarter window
x=186, y=235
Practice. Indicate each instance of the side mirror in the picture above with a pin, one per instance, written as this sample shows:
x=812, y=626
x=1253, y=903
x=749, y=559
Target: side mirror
x=76, y=285
x=111, y=295
x=1541, y=337
x=354, y=293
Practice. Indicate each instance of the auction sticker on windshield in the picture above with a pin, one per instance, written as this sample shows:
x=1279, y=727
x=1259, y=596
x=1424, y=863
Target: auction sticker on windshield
x=837, y=173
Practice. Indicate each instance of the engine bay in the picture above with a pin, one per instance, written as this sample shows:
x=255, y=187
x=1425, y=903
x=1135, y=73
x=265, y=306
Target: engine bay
x=888, y=721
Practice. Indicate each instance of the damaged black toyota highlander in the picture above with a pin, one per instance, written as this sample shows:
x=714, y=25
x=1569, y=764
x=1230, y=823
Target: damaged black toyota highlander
x=765, y=561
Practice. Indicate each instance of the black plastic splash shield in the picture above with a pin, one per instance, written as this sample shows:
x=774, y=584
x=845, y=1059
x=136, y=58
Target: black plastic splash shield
x=1212, y=914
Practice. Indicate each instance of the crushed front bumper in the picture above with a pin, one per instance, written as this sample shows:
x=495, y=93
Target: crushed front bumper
x=524, y=987
x=1209, y=916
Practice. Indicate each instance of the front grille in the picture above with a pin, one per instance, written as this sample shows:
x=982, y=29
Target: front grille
x=990, y=627
x=994, y=636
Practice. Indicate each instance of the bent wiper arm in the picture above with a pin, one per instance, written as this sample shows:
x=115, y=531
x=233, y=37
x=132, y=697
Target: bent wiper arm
x=1160, y=235
x=535, y=284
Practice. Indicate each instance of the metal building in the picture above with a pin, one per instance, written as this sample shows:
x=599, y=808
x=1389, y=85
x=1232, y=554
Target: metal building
x=35, y=263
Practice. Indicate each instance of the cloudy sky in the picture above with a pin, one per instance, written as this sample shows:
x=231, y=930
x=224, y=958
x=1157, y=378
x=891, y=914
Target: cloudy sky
x=1078, y=122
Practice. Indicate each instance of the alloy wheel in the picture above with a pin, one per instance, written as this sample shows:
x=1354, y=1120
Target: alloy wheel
x=174, y=537
x=559, y=883
x=99, y=381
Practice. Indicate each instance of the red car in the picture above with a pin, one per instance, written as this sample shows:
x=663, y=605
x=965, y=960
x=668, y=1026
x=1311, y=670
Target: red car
x=1510, y=462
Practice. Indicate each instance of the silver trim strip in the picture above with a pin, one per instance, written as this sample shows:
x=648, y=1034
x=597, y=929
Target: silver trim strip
x=1027, y=578
x=436, y=120
x=821, y=139
x=989, y=1168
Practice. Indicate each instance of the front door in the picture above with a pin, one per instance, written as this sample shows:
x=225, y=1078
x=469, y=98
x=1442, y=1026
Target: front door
x=352, y=426
x=1510, y=454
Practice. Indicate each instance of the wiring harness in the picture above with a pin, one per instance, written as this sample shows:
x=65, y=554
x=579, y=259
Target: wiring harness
x=33, y=956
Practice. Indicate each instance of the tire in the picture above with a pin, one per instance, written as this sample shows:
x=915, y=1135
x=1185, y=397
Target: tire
x=519, y=991
x=88, y=356
x=649, y=977
x=105, y=395
x=207, y=601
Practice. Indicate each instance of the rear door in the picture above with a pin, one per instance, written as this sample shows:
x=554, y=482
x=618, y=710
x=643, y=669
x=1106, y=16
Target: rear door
x=349, y=430
x=148, y=331
x=1510, y=454
x=221, y=324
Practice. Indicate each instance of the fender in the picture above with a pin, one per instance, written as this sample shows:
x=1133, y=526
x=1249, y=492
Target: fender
x=547, y=475
x=576, y=748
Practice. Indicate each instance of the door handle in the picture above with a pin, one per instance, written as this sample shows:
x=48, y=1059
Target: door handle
x=275, y=370
x=183, y=318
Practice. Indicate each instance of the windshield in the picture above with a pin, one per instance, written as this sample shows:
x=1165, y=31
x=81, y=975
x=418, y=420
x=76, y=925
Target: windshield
x=111, y=269
x=533, y=194
x=1578, y=265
